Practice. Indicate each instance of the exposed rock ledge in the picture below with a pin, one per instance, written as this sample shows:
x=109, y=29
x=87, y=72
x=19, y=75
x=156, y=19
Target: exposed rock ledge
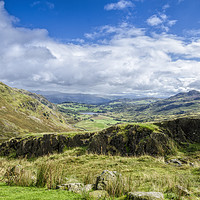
x=124, y=140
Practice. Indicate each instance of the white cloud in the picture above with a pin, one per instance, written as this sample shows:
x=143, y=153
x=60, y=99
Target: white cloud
x=166, y=6
x=154, y=20
x=193, y=32
x=127, y=61
x=120, y=5
x=171, y=22
x=161, y=21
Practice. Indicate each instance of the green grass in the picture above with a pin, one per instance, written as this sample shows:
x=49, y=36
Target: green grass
x=68, y=134
x=145, y=173
x=78, y=108
x=33, y=193
x=96, y=123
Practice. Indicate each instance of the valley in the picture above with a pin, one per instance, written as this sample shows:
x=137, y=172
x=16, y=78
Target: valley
x=154, y=144
x=131, y=110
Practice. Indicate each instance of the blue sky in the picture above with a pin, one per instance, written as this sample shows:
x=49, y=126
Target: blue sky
x=145, y=47
x=71, y=19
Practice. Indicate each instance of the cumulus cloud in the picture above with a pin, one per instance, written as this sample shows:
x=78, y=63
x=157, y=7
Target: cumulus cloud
x=127, y=61
x=154, y=20
x=161, y=21
x=120, y=5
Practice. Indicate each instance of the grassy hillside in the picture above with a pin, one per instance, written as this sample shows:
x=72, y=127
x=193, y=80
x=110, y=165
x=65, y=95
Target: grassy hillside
x=20, y=114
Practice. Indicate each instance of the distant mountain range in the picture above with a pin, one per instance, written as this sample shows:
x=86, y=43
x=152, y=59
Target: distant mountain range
x=181, y=104
x=58, y=97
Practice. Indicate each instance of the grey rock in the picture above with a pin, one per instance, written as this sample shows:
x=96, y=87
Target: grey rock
x=107, y=177
x=99, y=194
x=73, y=187
x=76, y=187
x=88, y=187
x=145, y=196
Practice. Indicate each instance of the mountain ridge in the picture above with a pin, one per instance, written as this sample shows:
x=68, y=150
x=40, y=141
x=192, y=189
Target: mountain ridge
x=20, y=114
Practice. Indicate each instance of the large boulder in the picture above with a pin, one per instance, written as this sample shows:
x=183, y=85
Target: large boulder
x=107, y=177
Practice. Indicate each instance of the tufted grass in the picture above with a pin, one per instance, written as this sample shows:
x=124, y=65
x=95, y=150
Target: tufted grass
x=143, y=173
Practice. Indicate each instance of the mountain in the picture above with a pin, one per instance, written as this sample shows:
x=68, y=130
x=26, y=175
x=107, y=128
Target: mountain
x=39, y=97
x=22, y=112
x=58, y=97
x=179, y=105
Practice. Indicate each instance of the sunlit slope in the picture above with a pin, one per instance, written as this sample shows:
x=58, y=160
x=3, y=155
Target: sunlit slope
x=20, y=113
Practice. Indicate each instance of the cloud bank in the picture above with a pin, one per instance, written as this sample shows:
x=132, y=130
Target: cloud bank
x=127, y=60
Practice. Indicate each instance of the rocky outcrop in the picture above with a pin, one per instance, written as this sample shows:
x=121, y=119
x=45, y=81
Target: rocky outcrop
x=130, y=140
x=183, y=129
x=48, y=144
x=124, y=140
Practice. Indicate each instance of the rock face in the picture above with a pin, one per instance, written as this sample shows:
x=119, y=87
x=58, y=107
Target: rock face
x=48, y=144
x=124, y=140
x=145, y=196
x=130, y=140
x=183, y=129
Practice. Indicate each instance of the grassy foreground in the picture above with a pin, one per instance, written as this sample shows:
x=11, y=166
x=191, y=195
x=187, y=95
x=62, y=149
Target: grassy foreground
x=33, y=193
x=139, y=174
